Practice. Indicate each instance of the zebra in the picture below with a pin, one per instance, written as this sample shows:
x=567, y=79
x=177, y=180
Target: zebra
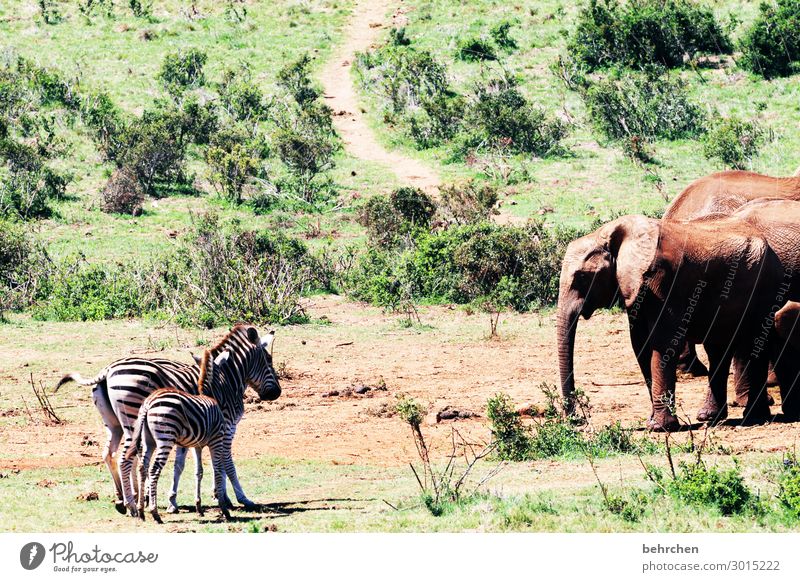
x=121, y=387
x=168, y=417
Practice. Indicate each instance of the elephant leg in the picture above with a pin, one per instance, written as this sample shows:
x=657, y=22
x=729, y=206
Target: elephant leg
x=741, y=389
x=689, y=363
x=786, y=358
x=640, y=335
x=663, y=365
x=715, y=408
x=754, y=374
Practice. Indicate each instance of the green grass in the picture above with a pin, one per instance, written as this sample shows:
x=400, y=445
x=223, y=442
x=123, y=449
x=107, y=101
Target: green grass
x=300, y=496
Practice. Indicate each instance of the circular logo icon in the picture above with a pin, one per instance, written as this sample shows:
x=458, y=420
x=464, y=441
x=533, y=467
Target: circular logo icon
x=31, y=555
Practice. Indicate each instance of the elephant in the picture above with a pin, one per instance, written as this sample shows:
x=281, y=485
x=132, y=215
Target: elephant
x=675, y=282
x=778, y=221
x=719, y=194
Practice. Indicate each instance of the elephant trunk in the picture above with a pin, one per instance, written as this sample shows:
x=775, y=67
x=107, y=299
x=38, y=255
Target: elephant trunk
x=567, y=322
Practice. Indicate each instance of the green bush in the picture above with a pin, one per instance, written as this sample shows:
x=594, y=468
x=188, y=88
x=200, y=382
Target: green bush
x=475, y=49
x=182, y=70
x=24, y=267
x=413, y=206
x=92, y=293
x=789, y=484
x=233, y=160
x=437, y=119
x=771, y=46
x=398, y=37
x=105, y=121
x=511, y=436
x=500, y=115
x=639, y=33
x=725, y=489
x=735, y=142
x=500, y=35
x=241, y=98
x=295, y=78
x=468, y=202
x=649, y=104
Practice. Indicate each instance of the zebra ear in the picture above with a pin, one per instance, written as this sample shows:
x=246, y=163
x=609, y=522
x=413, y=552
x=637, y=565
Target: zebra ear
x=252, y=335
x=197, y=359
x=222, y=358
x=267, y=341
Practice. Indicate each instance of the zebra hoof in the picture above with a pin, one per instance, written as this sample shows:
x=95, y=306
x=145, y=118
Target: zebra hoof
x=120, y=507
x=172, y=509
x=141, y=515
x=226, y=516
x=199, y=509
x=156, y=517
x=250, y=506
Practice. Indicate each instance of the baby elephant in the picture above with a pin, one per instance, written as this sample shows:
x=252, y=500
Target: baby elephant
x=170, y=417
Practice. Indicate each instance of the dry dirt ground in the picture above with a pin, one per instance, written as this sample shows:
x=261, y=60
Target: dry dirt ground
x=447, y=360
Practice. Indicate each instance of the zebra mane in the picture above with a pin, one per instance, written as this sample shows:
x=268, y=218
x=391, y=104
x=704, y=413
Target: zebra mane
x=238, y=329
x=206, y=374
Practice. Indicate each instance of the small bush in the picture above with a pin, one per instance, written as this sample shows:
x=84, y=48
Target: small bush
x=475, y=49
x=105, y=121
x=123, y=194
x=296, y=79
x=500, y=35
x=241, y=98
x=468, y=202
x=789, y=484
x=771, y=46
x=513, y=438
x=398, y=37
x=413, y=206
x=724, y=489
x=436, y=120
x=735, y=142
x=381, y=220
x=410, y=411
x=498, y=114
x=233, y=160
x=91, y=293
x=24, y=267
x=645, y=32
x=647, y=104
x=183, y=70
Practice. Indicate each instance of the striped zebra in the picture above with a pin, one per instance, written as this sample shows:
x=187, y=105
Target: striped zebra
x=121, y=387
x=170, y=417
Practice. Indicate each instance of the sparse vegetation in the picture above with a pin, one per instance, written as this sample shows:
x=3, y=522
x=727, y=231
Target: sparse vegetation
x=771, y=45
x=735, y=142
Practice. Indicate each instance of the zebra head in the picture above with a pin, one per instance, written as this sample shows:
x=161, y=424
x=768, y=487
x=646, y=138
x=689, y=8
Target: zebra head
x=261, y=374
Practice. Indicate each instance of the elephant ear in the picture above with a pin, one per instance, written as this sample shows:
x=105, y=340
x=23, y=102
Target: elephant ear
x=632, y=241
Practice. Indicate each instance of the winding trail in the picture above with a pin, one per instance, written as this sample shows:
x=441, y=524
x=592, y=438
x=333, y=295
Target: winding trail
x=365, y=26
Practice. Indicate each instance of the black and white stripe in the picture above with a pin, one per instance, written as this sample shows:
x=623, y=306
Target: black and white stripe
x=122, y=386
x=170, y=417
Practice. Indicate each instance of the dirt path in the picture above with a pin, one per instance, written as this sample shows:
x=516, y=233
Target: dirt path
x=366, y=24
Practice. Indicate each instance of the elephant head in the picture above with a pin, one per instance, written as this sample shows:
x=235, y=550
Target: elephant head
x=600, y=270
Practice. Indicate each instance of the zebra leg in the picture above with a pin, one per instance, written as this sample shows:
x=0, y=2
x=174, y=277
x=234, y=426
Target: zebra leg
x=218, y=455
x=162, y=456
x=143, y=481
x=180, y=462
x=230, y=472
x=198, y=478
x=114, y=436
x=125, y=470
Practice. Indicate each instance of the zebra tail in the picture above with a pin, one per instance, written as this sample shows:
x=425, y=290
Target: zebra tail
x=80, y=380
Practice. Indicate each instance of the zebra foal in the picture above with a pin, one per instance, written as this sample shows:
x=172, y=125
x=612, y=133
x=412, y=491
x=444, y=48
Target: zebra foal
x=121, y=387
x=170, y=417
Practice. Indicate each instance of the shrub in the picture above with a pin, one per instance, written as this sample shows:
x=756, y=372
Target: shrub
x=403, y=76
x=24, y=267
x=154, y=148
x=413, y=206
x=500, y=35
x=295, y=78
x=725, y=489
x=91, y=293
x=513, y=439
x=242, y=99
x=105, y=121
x=141, y=8
x=381, y=220
x=437, y=119
x=735, y=142
x=789, y=484
x=182, y=70
x=467, y=202
x=771, y=46
x=123, y=194
x=398, y=37
x=25, y=192
x=649, y=104
x=499, y=114
x=222, y=276
x=645, y=32
x=232, y=161
x=475, y=49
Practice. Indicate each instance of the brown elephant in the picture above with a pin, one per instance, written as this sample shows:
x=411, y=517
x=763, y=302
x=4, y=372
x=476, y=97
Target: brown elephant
x=778, y=221
x=722, y=194
x=675, y=281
